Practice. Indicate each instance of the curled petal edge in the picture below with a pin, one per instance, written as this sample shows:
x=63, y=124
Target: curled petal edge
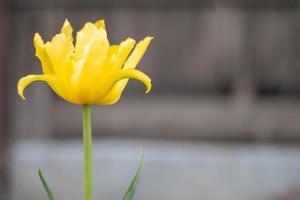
x=135, y=74
x=27, y=80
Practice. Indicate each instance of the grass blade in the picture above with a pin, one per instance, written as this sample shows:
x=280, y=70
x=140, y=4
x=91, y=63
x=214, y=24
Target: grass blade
x=134, y=182
x=46, y=186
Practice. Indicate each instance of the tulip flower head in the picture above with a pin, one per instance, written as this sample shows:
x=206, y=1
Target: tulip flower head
x=91, y=71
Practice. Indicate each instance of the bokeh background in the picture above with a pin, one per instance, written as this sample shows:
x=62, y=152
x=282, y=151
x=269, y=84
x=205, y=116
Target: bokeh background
x=221, y=123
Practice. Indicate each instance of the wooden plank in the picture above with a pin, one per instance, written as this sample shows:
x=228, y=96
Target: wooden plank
x=196, y=118
x=28, y=118
x=154, y=4
x=4, y=51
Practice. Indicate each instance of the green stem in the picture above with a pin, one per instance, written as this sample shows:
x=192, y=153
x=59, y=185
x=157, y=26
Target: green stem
x=88, y=152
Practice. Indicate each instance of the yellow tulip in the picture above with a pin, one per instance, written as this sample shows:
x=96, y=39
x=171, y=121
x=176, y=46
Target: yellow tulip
x=92, y=71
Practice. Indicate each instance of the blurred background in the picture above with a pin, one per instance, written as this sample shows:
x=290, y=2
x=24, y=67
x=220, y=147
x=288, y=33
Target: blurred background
x=221, y=123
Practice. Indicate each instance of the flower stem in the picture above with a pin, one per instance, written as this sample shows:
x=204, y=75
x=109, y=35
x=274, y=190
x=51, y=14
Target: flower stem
x=88, y=152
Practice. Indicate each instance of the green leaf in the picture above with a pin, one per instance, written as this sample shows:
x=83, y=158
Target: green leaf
x=46, y=186
x=134, y=182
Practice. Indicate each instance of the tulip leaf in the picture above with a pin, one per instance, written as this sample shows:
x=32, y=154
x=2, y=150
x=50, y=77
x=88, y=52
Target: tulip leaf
x=46, y=186
x=134, y=182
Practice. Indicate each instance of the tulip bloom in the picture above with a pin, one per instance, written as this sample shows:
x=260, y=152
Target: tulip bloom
x=90, y=72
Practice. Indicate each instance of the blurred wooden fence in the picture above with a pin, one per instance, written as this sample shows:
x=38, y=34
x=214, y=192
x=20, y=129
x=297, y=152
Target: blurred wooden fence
x=220, y=69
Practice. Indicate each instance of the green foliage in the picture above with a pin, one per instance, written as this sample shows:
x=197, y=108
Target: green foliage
x=46, y=186
x=134, y=182
x=128, y=195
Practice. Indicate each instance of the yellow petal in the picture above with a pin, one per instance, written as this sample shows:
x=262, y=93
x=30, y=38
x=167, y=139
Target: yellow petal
x=119, y=82
x=116, y=56
x=116, y=91
x=42, y=55
x=85, y=38
x=124, y=50
x=60, y=50
x=67, y=30
x=100, y=24
x=137, y=53
x=135, y=74
x=56, y=85
x=94, y=47
x=27, y=80
x=113, y=49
